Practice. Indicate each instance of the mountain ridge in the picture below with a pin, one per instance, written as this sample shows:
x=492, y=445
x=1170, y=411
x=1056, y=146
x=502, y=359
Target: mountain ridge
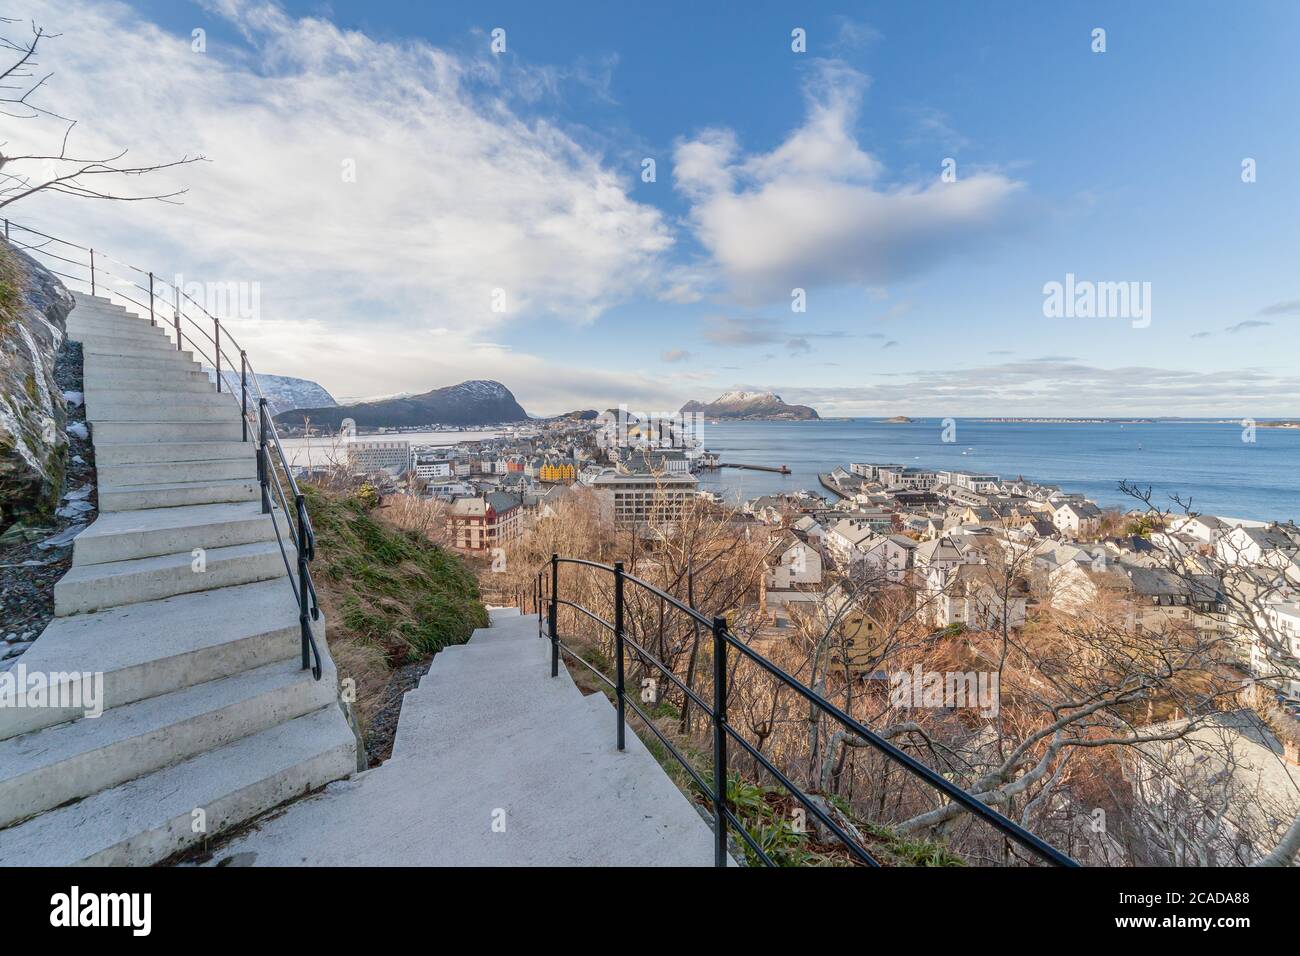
x=751, y=406
x=473, y=402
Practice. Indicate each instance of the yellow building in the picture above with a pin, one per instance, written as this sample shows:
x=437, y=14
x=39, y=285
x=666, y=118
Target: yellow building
x=558, y=470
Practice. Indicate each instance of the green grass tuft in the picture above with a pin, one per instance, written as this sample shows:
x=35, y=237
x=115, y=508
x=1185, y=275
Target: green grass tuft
x=391, y=587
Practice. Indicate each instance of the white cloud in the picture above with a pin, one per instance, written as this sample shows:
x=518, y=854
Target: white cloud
x=457, y=192
x=814, y=210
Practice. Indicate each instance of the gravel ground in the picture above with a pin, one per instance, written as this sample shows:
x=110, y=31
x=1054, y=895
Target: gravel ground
x=35, y=553
x=383, y=725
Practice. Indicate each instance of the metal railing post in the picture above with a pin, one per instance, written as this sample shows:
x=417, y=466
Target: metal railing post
x=243, y=388
x=554, y=615
x=176, y=316
x=300, y=510
x=618, y=648
x=152, y=320
x=719, y=741
x=216, y=359
x=92, y=271
x=263, y=461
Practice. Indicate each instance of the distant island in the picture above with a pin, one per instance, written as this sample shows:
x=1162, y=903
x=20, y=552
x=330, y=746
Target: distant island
x=477, y=402
x=750, y=406
x=1074, y=421
x=898, y=420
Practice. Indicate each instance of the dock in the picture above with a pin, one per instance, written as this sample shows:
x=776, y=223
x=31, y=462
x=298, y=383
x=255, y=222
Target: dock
x=829, y=485
x=775, y=469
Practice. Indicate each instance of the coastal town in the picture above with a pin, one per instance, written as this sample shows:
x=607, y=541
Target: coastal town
x=934, y=530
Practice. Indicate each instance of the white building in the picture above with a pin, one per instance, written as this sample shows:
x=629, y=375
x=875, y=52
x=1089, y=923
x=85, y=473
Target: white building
x=1077, y=518
x=1284, y=623
x=432, y=469
x=970, y=480
x=793, y=573
x=634, y=500
x=371, y=455
x=1271, y=546
x=870, y=470
x=888, y=555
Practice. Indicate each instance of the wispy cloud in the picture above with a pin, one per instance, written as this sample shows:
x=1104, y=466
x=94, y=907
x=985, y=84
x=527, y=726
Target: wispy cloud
x=460, y=191
x=1290, y=307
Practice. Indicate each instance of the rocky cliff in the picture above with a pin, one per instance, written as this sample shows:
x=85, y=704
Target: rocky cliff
x=34, y=307
x=283, y=392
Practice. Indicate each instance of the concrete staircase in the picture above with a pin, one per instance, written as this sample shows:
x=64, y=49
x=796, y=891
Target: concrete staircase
x=495, y=763
x=178, y=597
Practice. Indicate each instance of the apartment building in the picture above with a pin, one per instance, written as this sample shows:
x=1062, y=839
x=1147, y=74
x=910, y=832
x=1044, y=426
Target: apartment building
x=485, y=522
x=432, y=469
x=636, y=500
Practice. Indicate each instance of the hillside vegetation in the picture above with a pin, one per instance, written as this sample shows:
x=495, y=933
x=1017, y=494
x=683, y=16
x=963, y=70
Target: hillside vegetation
x=391, y=597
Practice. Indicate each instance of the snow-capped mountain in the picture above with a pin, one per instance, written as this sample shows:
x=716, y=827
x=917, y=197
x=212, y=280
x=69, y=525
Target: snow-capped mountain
x=755, y=406
x=477, y=402
x=283, y=392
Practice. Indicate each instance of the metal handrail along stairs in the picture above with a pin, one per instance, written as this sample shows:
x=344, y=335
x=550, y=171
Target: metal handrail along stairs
x=85, y=267
x=545, y=596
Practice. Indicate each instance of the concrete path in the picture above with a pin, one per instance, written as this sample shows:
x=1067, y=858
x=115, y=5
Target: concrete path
x=178, y=599
x=495, y=763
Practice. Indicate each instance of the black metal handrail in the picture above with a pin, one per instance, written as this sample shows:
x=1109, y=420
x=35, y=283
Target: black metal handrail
x=185, y=327
x=716, y=793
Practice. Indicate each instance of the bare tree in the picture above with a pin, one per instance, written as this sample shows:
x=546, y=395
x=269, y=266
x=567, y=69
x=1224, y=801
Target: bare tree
x=1230, y=592
x=66, y=171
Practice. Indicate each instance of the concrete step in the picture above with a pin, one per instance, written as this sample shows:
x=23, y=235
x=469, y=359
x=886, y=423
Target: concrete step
x=93, y=300
x=109, y=454
x=148, y=819
x=88, y=322
x=182, y=392
x=115, y=379
x=50, y=767
x=125, y=359
x=177, y=493
x=243, y=466
x=122, y=389
x=93, y=587
x=173, y=408
x=128, y=331
x=138, y=344
x=452, y=698
x=152, y=532
x=153, y=648
x=566, y=797
x=114, y=321
x=165, y=431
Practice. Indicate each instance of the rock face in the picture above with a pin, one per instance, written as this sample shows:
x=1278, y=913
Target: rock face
x=469, y=403
x=283, y=392
x=751, y=406
x=34, y=308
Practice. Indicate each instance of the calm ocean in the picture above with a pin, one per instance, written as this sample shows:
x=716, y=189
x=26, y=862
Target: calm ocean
x=1208, y=462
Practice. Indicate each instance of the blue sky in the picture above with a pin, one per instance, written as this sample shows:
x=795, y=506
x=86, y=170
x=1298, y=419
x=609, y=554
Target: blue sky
x=775, y=170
